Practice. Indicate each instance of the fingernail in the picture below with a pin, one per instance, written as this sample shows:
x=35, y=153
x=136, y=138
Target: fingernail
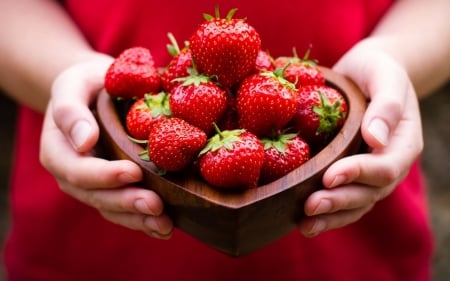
x=80, y=133
x=323, y=207
x=151, y=224
x=379, y=130
x=160, y=236
x=318, y=227
x=142, y=207
x=338, y=180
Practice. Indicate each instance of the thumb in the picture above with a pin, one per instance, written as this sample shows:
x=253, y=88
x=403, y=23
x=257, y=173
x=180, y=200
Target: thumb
x=388, y=92
x=73, y=91
x=385, y=84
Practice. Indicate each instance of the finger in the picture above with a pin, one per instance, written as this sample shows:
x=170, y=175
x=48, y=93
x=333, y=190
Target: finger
x=385, y=83
x=81, y=169
x=312, y=226
x=387, y=92
x=125, y=199
x=382, y=166
x=72, y=92
x=346, y=197
x=160, y=227
x=375, y=170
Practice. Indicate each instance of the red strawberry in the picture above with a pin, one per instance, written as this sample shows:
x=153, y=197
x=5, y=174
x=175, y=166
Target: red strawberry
x=301, y=72
x=173, y=144
x=321, y=112
x=232, y=159
x=264, y=61
x=225, y=47
x=283, y=154
x=144, y=112
x=132, y=74
x=198, y=101
x=266, y=102
x=229, y=120
x=178, y=66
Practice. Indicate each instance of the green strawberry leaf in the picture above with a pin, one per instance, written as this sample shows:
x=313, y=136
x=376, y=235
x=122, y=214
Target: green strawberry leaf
x=222, y=139
x=279, y=142
x=143, y=155
x=329, y=114
x=158, y=104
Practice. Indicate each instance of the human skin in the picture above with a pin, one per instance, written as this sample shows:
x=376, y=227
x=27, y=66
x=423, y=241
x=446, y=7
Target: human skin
x=404, y=59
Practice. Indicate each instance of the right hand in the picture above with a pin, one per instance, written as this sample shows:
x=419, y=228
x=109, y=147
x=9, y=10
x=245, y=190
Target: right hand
x=69, y=135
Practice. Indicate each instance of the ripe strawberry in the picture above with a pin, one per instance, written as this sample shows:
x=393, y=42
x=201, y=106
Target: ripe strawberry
x=266, y=102
x=173, y=144
x=229, y=120
x=198, y=101
x=144, y=112
x=232, y=159
x=132, y=74
x=283, y=154
x=178, y=66
x=321, y=112
x=301, y=72
x=225, y=47
x=264, y=61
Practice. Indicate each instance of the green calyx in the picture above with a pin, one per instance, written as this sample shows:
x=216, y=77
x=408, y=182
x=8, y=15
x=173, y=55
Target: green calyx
x=329, y=114
x=278, y=74
x=305, y=60
x=217, y=14
x=194, y=78
x=222, y=139
x=280, y=142
x=158, y=104
x=173, y=47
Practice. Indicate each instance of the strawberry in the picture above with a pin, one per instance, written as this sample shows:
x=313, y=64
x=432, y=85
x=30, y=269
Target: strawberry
x=229, y=120
x=266, y=102
x=232, y=160
x=283, y=154
x=132, y=74
x=299, y=71
x=173, y=144
x=144, y=112
x=225, y=47
x=321, y=112
x=264, y=61
x=199, y=101
x=178, y=66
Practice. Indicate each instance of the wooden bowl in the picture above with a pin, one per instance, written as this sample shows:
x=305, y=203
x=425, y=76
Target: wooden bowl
x=237, y=223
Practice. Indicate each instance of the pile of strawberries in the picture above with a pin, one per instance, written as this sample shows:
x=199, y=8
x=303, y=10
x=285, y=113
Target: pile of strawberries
x=225, y=106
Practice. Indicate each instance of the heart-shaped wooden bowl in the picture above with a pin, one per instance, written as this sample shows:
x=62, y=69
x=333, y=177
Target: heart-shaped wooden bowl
x=237, y=223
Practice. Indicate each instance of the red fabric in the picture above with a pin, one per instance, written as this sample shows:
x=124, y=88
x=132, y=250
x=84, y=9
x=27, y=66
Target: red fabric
x=55, y=237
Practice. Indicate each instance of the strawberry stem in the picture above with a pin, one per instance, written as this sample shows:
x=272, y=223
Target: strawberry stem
x=173, y=47
x=222, y=139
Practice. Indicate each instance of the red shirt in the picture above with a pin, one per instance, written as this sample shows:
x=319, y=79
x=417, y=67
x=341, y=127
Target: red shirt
x=55, y=237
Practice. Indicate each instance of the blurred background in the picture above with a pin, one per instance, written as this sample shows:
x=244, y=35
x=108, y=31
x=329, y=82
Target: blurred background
x=436, y=163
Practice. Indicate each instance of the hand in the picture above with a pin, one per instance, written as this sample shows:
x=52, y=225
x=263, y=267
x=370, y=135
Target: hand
x=69, y=135
x=391, y=127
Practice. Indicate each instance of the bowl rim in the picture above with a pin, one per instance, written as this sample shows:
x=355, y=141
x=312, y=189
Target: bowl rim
x=356, y=102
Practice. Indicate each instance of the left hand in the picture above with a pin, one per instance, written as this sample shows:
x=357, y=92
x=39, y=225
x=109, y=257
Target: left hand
x=392, y=129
